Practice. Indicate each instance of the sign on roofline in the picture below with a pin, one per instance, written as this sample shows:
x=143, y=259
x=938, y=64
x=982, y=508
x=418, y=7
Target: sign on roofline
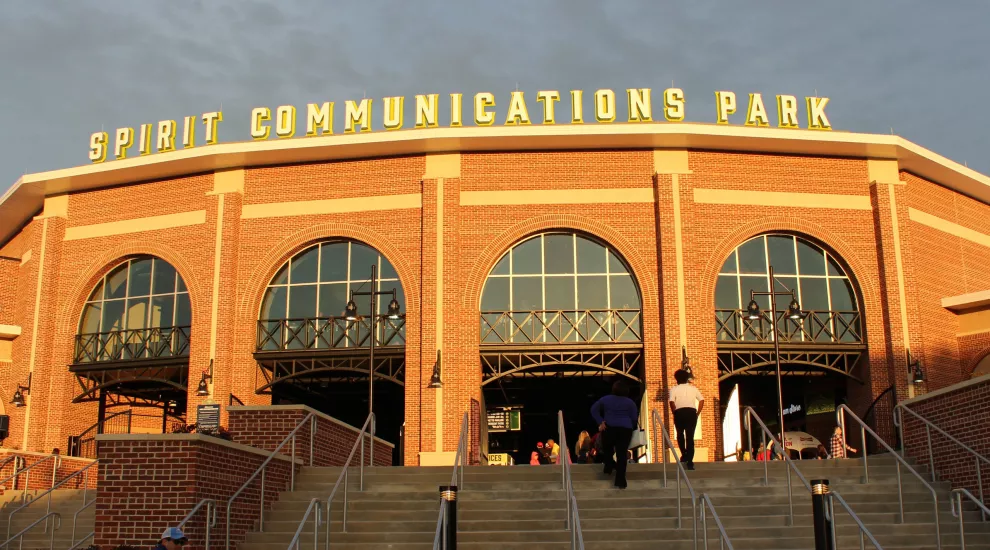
x=318, y=118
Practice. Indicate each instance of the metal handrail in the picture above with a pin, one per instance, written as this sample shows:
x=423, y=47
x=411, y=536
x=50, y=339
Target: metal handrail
x=665, y=443
x=456, y=478
x=359, y=442
x=8, y=460
x=899, y=422
x=573, y=522
x=705, y=502
x=27, y=480
x=75, y=519
x=48, y=492
x=841, y=412
x=44, y=518
x=749, y=414
x=82, y=540
x=955, y=502
x=211, y=518
x=261, y=470
x=294, y=543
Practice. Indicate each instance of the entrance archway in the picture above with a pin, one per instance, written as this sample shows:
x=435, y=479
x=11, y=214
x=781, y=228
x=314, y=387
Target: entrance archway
x=309, y=351
x=819, y=355
x=561, y=318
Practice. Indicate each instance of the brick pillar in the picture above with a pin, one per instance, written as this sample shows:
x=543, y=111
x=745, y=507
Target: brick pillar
x=218, y=341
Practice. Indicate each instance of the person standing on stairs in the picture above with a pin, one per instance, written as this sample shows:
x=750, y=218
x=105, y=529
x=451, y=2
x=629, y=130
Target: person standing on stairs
x=686, y=403
x=617, y=416
x=839, y=445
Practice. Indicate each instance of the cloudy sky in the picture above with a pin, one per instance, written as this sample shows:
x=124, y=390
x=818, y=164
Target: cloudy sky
x=68, y=69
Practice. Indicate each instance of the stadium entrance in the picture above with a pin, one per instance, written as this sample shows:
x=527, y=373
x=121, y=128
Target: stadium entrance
x=561, y=319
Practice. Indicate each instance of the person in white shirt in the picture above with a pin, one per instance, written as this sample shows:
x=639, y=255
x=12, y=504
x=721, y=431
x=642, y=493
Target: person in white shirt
x=686, y=403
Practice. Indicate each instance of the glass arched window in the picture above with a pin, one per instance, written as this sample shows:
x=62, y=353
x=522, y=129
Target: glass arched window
x=564, y=278
x=816, y=276
x=311, y=291
x=139, y=309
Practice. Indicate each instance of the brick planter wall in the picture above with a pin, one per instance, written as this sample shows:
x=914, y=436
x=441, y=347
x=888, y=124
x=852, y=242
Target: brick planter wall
x=41, y=476
x=962, y=410
x=150, y=482
x=265, y=427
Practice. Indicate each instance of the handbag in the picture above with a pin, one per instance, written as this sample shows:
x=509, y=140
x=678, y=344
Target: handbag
x=638, y=438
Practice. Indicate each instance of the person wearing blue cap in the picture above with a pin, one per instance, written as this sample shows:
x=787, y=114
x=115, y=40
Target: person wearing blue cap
x=172, y=539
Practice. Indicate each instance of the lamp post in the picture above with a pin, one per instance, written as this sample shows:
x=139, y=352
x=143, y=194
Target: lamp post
x=794, y=312
x=351, y=314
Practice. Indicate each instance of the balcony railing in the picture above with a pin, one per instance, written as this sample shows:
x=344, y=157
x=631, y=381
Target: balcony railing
x=328, y=333
x=819, y=327
x=561, y=327
x=126, y=345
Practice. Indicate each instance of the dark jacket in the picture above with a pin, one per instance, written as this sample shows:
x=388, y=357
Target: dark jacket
x=616, y=411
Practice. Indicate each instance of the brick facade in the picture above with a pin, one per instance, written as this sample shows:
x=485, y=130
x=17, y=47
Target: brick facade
x=148, y=483
x=932, y=264
x=267, y=427
x=40, y=476
x=964, y=412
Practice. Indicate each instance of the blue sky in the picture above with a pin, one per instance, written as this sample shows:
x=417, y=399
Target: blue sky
x=69, y=69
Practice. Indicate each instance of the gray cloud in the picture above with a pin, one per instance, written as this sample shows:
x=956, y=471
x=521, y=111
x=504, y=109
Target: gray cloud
x=70, y=68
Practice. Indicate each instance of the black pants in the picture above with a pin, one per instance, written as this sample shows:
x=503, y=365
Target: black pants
x=615, y=441
x=685, y=422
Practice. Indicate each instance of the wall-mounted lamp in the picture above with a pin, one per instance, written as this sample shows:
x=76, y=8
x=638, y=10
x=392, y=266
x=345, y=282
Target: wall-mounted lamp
x=435, y=381
x=915, y=370
x=203, y=390
x=685, y=360
x=18, y=400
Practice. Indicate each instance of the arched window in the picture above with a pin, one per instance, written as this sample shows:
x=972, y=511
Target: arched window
x=308, y=295
x=139, y=309
x=816, y=277
x=566, y=279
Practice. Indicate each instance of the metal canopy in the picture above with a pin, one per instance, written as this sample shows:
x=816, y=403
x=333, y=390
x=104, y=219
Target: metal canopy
x=137, y=382
x=309, y=366
x=499, y=362
x=795, y=360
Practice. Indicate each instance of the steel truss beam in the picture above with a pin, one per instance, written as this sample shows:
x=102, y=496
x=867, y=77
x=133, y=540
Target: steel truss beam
x=299, y=369
x=133, y=382
x=497, y=363
x=807, y=362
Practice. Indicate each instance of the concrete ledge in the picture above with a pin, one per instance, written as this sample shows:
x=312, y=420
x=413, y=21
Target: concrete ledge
x=199, y=438
x=33, y=453
x=437, y=459
x=948, y=389
x=306, y=409
x=9, y=332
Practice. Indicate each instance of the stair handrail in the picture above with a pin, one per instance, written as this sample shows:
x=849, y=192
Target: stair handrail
x=750, y=414
x=899, y=422
x=456, y=478
x=313, y=503
x=573, y=521
x=843, y=411
x=705, y=502
x=955, y=502
x=75, y=520
x=44, y=518
x=82, y=540
x=261, y=470
x=681, y=473
x=211, y=518
x=368, y=428
x=27, y=480
x=48, y=492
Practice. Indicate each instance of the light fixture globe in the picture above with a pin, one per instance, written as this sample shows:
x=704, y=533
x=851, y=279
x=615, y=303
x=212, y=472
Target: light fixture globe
x=393, y=309
x=203, y=390
x=753, y=312
x=794, y=311
x=18, y=400
x=350, y=312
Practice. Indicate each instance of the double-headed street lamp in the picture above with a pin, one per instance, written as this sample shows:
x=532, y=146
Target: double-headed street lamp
x=793, y=313
x=351, y=314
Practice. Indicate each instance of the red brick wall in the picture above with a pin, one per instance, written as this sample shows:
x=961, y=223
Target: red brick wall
x=332, y=443
x=963, y=412
x=148, y=484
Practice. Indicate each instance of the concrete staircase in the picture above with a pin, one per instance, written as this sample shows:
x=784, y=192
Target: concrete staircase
x=64, y=501
x=523, y=506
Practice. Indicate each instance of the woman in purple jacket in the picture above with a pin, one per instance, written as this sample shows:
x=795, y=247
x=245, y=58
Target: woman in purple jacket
x=617, y=416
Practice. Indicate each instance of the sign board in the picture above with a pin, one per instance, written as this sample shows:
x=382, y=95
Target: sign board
x=500, y=459
x=208, y=417
x=501, y=420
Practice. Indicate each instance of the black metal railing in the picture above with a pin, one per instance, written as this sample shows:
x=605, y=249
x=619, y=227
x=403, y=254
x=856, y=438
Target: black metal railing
x=124, y=345
x=819, y=327
x=329, y=333
x=561, y=326
x=84, y=444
